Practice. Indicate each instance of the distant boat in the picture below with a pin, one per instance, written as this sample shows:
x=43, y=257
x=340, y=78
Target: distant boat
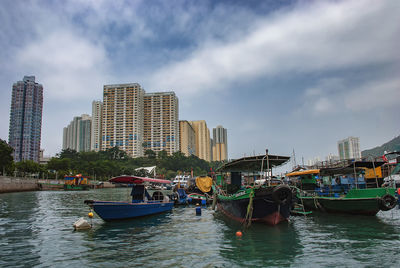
x=342, y=190
x=181, y=180
x=266, y=203
x=76, y=183
x=142, y=203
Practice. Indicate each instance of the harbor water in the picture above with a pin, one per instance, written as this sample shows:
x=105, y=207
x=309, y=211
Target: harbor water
x=36, y=231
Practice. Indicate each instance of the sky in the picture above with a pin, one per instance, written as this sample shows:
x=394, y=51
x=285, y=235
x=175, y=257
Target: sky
x=279, y=75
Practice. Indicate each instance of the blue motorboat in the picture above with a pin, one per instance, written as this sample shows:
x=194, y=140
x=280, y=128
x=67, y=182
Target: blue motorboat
x=142, y=203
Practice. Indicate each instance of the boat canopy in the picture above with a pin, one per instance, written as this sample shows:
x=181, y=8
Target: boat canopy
x=204, y=184
x=136, y=180
x=303, y=172
x=253, y=163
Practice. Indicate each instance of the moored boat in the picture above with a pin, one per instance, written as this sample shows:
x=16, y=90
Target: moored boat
x=76, y=183
x=142, y=203
x=342, y=190
x=266, y=203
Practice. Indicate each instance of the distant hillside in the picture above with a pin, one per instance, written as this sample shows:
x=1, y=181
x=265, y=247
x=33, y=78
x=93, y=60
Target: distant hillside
x=392, y=145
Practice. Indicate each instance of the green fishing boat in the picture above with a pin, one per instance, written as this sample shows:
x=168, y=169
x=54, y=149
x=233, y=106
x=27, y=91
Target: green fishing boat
x=342, y=190
x=268, y=203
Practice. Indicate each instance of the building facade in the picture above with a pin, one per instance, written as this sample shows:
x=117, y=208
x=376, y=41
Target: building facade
x=349, y=148
x=95, y=140
x=26, y=119
x=203, y=144
x=220, y=144
x=161, y=122
x=77, y=135
x=187, y=138
x=122, y=118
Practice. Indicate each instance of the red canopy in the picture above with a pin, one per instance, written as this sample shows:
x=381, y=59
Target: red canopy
x=136, y=180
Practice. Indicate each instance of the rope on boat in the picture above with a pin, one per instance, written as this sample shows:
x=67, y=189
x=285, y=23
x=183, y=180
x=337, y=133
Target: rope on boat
x=249, y=214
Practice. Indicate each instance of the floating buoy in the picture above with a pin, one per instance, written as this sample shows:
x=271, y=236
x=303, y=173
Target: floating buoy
x=90, y=214
x=82, y=224
x=239, y=234
x=198, y=210
x=398, y=191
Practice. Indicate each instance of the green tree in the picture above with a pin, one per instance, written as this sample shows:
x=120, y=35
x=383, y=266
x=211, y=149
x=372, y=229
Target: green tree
x=28, y=166
x=150, y=154
x=6, y=159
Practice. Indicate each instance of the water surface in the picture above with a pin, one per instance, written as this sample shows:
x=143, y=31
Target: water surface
x=36, y=231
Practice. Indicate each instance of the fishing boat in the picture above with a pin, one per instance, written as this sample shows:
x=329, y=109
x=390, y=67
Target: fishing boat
x=142, y=203
x=76, y=183
x=201, y=190
x=342, y=190
x=265, y=203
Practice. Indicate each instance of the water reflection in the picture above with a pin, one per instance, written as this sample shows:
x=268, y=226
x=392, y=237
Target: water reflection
x=261, y=245
x=17, y=212
x=36, y=230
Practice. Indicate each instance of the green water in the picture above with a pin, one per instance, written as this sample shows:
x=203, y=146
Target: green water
x=36, y=231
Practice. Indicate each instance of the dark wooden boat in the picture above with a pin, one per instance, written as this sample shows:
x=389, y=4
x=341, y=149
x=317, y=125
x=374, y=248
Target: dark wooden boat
x=267, y=203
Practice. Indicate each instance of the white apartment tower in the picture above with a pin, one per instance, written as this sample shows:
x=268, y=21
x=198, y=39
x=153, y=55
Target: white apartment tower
x=77, y=135
x=349, y=148
x=122, y=118
x=97, y=109
x=161, y=122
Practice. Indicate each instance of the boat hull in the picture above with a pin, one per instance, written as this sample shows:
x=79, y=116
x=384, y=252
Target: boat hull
x=265, y=208
x=359, y=206
x=109, y=211
x=356, y=202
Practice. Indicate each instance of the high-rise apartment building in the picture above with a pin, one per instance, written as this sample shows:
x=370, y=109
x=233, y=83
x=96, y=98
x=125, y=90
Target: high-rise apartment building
x=161, y=122
x=220, y=144
x=77, y=135
x=122, y=118
x=349, y=148
x=95, y=140
x=203, y=145
x=26, y=119
x=187, y=138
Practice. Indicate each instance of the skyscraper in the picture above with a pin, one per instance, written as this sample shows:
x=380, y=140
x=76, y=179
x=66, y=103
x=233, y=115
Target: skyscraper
x=349, y=148
x=77, y=135
x=202, y=139
x=122, y=118
x=220, y=144
x=95, y=140
x=26, y=119
x=187, y=138
x=161, y=122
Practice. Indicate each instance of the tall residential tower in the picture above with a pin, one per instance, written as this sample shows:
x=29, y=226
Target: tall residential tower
x=122, y=122
x=349, y=148
x=95, y=140
x=220, y=144
x=203, y=143
x=77, y=135
x=26, y=119
x=187, y=138
x=161, y=122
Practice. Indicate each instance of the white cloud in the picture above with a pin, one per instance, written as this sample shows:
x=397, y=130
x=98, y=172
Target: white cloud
x=68, y=65
x=318, y=37
x=376, y=94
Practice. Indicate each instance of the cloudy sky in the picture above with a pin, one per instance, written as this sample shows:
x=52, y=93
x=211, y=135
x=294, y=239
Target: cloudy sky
x=283, y=75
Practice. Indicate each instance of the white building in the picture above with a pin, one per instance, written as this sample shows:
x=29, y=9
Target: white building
x=349, y=148
x=97, y=109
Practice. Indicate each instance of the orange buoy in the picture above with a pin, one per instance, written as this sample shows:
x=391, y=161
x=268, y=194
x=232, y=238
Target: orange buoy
x=239, y=234
x=90, y=214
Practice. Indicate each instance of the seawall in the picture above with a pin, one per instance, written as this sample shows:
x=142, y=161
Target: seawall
x=9, y=185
